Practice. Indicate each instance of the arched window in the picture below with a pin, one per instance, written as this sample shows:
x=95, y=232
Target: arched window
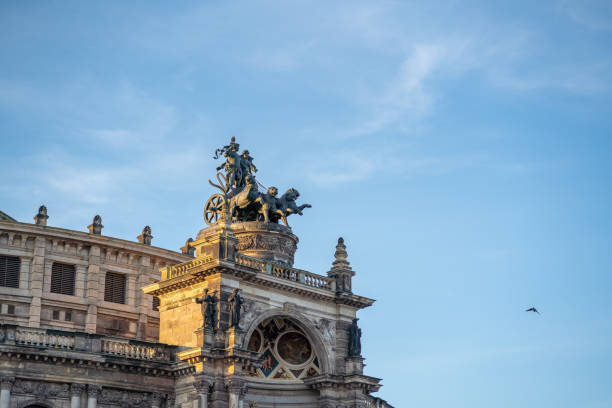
x=287, y=352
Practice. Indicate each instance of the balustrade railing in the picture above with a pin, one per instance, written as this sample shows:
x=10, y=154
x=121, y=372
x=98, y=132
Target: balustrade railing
x=287, y=273
x=14, y=335
x=274, y=269
x=175, y=271
x=124, y=348
x=250, y=262
x=41, y=338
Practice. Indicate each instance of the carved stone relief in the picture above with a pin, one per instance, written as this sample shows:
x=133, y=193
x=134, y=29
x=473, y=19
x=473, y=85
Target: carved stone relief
x=327, y=330
x=251, y=310
x=123, y=398
x=41, y=389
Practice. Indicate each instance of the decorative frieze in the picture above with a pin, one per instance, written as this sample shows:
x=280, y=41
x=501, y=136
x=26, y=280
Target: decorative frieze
x=40, y=389
x=132, y=399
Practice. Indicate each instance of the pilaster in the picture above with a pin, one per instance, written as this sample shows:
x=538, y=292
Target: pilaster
x=24, y=271
x=145, y=303
x=36, y=281
x=93, y=291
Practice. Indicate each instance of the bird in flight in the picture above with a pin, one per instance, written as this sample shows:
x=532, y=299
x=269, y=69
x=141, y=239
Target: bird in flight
x=532, y=309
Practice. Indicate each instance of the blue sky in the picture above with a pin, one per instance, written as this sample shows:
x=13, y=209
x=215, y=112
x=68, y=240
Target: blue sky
x=461, y=148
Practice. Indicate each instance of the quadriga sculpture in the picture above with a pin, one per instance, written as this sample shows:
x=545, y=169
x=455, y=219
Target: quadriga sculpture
x=240, y=198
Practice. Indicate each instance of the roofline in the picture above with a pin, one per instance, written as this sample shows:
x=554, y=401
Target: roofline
x=93, y=239
x=5, y=215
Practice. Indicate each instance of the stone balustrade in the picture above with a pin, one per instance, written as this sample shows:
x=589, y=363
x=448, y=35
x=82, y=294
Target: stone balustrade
x=139, y=351
x=317, y=281
x=14, y=335
x=27, y=336
x=250, y=262
x=273, y=269
x=179, y=270
x=287, y=273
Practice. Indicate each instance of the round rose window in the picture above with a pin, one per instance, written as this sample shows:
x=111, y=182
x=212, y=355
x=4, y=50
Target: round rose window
x=294, y=348
x=285, y=351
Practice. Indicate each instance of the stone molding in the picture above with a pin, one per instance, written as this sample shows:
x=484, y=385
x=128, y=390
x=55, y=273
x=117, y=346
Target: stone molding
x=305, y=324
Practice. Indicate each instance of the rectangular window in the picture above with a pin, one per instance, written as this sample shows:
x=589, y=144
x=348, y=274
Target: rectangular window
x=9, y=271
x=62, y=278
x=155, y=303
x=114, y=288
x=10, y=309
x=55, y=315
x=68, y=316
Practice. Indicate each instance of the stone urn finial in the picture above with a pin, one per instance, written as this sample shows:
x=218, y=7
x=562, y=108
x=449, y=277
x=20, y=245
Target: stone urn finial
x=341, y=268
x=96, y=226
x=41, y=217
x=145, y=237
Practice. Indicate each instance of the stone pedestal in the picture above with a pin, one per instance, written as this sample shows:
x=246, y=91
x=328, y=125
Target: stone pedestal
x=235, y=337
x=217, y=241
x=270, y=242
x=354, y=365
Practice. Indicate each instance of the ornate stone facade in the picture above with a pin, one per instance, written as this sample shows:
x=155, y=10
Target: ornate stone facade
x=91, y=321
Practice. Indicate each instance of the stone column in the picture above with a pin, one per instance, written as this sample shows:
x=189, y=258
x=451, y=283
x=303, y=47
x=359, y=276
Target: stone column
x=93, y=392
x=75, y=395
x=6, y=383
x=92, y=291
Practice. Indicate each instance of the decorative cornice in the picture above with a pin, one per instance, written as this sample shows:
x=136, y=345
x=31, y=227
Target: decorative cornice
x=198, y=273
x=349, y=382
x=94, y=240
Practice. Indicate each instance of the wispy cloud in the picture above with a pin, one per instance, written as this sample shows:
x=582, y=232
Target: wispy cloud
x=596, y=15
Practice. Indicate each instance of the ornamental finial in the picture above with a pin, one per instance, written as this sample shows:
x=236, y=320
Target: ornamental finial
x=341, y=256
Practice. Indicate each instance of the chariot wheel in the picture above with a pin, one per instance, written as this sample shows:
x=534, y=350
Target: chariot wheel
x=214, y=208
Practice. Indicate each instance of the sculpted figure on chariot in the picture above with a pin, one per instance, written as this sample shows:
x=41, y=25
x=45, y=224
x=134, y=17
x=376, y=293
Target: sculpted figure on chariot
x=240, y=198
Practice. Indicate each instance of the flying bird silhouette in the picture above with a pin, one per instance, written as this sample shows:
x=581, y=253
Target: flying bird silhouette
x=532, y=309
